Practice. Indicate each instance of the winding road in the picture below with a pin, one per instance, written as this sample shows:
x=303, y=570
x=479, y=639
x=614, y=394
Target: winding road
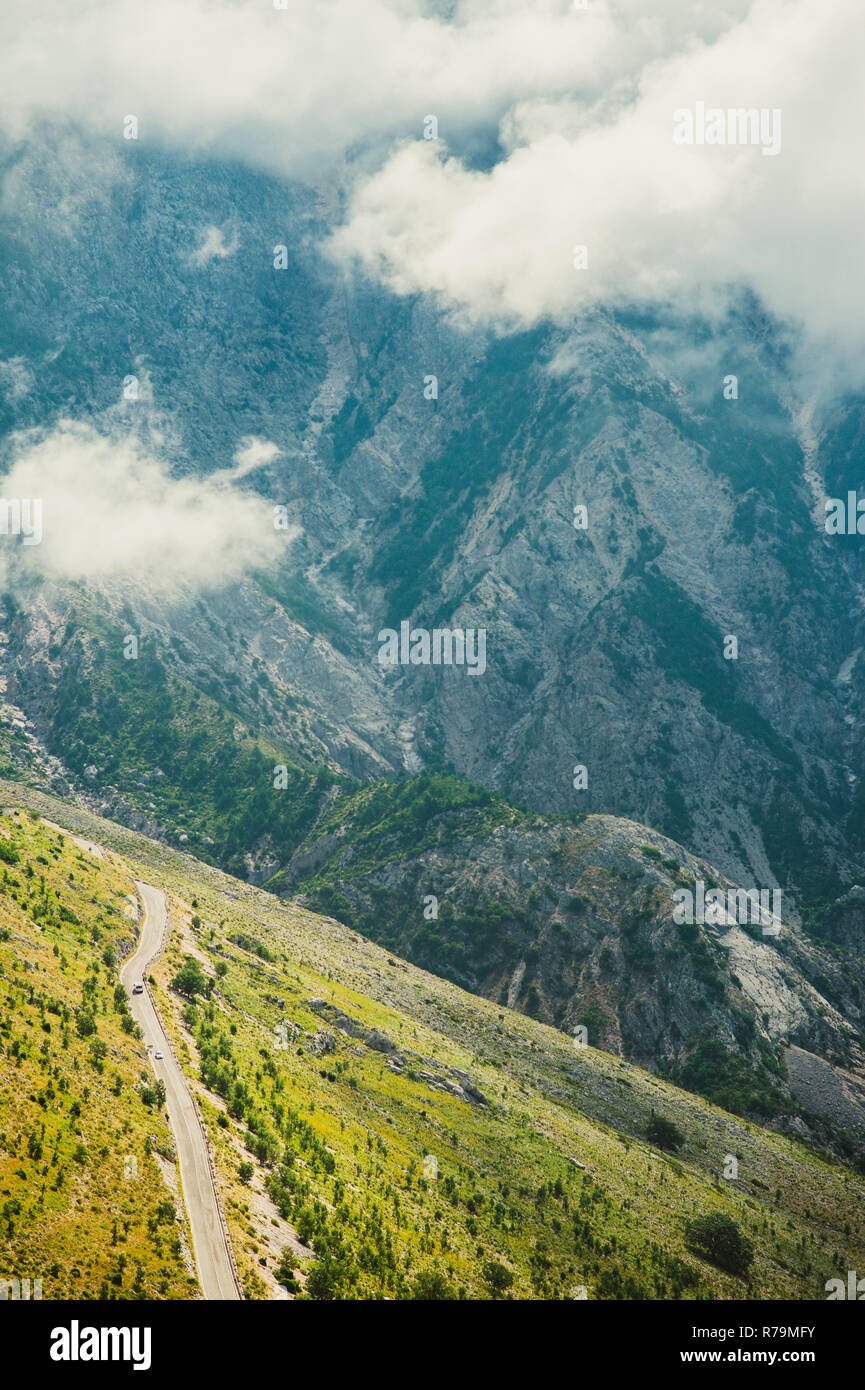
x=213, y=1263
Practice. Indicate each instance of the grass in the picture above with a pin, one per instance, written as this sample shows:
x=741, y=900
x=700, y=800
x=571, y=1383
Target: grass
x=83, y=1206
x=554, y=1178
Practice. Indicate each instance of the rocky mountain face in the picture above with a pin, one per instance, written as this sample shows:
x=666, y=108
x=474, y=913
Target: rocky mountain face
x=580, y=925
x=672, y=637
x=453, y=503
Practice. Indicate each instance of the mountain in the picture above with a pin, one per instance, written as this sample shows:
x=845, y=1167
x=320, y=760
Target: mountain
x=375, y=1131
x=605, y=645
x=669, y=691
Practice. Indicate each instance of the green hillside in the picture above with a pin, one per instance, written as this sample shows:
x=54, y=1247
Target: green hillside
x=401, y=1138
x=82, y=1204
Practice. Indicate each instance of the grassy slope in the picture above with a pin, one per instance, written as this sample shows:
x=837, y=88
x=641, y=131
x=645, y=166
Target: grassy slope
x=82, y=1203
x=507, y=1187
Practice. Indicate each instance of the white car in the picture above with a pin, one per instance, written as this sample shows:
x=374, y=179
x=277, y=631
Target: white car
x=158, y=1055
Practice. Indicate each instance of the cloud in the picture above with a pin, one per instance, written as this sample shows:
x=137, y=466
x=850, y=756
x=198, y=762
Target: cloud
x=287, y=87
x=213, y=247
x=252, y=454
x=663, y=222
x=581, y=104
x=113, y=515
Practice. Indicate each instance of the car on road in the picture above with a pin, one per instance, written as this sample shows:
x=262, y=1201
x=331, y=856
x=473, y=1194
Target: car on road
x=138, y=988
x=158, y=1055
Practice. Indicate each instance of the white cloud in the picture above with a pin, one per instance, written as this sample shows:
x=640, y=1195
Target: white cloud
x=253, y=453
x=661, y=221
x=583, y=102
x=284, y=87
x=112, y=514
x=214, y=247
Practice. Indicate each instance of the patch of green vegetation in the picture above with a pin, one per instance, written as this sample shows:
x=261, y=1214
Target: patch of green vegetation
x=299, y=600
x=83, y=1207
x=690, y=650
x=420, y=533
x=177, y=748
x=731, y=1081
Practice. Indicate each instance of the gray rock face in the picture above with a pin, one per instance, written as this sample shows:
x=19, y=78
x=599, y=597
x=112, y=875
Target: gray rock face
x=605, y=645
x=612, y=684
x=576, y=925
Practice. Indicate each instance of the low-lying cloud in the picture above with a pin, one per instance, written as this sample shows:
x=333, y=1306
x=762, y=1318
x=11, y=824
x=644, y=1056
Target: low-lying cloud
x=574, y=107
x=659, y=220
x=112, y=514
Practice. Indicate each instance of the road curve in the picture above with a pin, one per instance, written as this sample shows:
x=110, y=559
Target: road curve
x=212, y=1260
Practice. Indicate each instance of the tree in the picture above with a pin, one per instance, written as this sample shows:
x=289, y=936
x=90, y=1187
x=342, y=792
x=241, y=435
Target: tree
x=326, y=1280
x=284, y=1271
x=245, y=1171
x=497, y=1277
x=190, y=979
x=664, y=1133
x=431, y=1286
x=717, y=1238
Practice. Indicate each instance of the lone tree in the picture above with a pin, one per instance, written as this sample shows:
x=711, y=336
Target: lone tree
x=497, y=1277
x=664, y=1133
x=190, y=979
x=717, y=1238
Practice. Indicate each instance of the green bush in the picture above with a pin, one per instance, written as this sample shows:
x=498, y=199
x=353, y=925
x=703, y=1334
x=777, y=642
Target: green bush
x=664, y=1133
x=190, y=979
x=430, y=1286
x=717, y=1238
x=497, y=1277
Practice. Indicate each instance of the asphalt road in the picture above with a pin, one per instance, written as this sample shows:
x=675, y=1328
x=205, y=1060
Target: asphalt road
x=208, y=1239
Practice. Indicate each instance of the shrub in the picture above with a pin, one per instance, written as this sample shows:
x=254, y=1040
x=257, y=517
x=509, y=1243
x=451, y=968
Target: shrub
x=284, y=1272
x=430, y=1286
x=664, y=1133
x=497, y=1277
x=717, y=1238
